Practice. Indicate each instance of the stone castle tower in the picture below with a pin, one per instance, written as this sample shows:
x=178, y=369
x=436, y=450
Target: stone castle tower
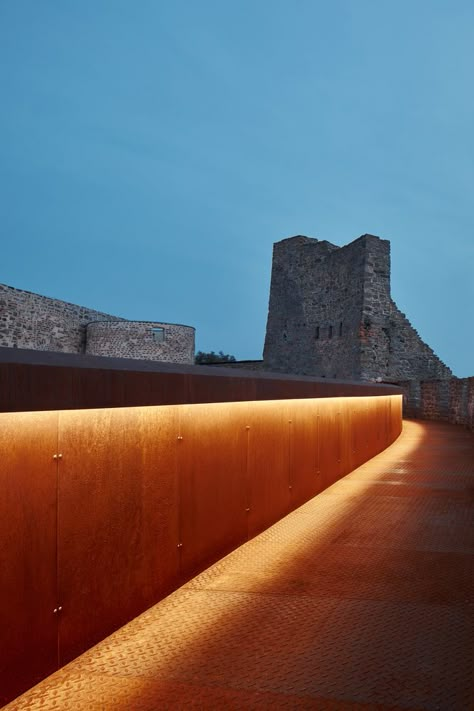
x=331, y=315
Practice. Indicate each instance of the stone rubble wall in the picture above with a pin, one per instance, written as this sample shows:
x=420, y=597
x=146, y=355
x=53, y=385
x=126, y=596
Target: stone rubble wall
x=40, y=323
x=447, y=399
x=315, y=309
x=413, y=355
x=375, y=343
x=331, y=315
x=135, y=339
x=36, y=322
x=393, y=349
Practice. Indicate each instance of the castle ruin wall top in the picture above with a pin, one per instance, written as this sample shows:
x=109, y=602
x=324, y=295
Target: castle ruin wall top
x=331, y=314
x=33, y=321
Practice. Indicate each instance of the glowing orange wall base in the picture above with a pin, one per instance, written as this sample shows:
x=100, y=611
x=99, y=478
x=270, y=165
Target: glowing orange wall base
x=103, y=512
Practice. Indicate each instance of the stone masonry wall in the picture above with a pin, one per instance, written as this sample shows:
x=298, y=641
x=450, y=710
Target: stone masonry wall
x=331, y=315
x=40, y=323
x=29, y=320
x=390, y=347
x=315, y=309
x=138, y=339
x=449, y=400
x=411, y=357
x=375, y=350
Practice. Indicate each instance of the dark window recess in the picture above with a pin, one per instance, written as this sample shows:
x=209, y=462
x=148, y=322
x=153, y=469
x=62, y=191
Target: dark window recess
x=340, y=328
x=330, y=332
x=316, y=333
x=158, y=334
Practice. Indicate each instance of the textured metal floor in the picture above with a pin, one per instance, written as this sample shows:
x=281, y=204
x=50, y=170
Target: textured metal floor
x=360, y=599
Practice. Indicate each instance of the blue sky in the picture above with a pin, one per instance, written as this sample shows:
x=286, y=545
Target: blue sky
x=151, y=152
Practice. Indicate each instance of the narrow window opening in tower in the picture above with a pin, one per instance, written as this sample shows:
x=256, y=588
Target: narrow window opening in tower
x=340, y=328
x=158, y=334
x=316, y=333
x=330, y=332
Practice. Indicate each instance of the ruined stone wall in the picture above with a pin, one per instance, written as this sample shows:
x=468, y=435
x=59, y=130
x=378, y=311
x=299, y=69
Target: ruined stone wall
x=390, y=347
x=36, y=322
x=315, y=308
x=410, y=356
x=40, y=323
x=375, y=346
x=331, y=315
x=448, y=400
x=166, y=342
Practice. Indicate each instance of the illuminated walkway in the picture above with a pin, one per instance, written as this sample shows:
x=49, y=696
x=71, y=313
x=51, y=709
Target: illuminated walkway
x=360, y=599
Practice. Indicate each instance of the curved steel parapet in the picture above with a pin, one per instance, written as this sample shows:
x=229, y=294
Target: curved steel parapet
x=105, y=511
x=39, y=380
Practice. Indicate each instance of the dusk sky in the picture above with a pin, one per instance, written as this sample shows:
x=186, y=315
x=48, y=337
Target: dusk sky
x=152, y=151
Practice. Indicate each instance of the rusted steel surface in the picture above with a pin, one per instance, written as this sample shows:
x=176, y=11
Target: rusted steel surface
x=304, y=477
x=360, y=599
x=35, y=380
x=363, y=428
x=210, y=388
x=28, y=623
x=213, y=482
x=396, y=414
x=268, y=463
x=118, y=519
x=345, y=424
x=327, y=444
x=147, y=496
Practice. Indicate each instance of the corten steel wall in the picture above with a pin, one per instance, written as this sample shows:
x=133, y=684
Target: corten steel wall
x=31, y=380
x=28, y=550
x=103, y=512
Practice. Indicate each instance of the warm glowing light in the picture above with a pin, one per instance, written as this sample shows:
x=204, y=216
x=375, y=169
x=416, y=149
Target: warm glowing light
x=129, y=501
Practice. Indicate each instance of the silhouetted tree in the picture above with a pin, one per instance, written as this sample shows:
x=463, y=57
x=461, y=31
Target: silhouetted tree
x=202, y=358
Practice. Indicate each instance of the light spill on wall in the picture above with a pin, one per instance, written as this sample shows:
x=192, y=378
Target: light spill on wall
x=103, y=512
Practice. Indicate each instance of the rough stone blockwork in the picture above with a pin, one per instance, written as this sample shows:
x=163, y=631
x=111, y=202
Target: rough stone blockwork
x=450, y=400
x=38, y=322
x=331, y=315
x=120, y=339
